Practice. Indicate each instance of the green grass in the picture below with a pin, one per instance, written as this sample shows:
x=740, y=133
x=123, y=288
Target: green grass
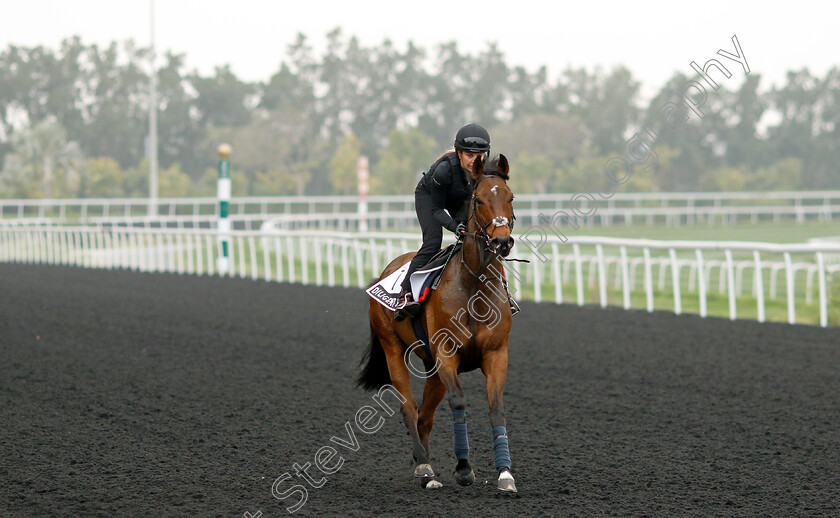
x=717, y=304
x=783, y=232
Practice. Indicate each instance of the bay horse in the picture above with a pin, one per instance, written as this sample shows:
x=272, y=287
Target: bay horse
x=467, y=320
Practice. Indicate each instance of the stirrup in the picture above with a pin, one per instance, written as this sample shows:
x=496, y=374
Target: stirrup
x=514, y=307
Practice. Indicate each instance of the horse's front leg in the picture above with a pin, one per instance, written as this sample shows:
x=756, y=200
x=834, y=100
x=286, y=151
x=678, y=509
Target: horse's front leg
x=448, y=373
x=494, y=367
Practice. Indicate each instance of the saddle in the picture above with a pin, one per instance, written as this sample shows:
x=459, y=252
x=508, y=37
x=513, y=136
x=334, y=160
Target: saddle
x=427, y=278
x=386, y=291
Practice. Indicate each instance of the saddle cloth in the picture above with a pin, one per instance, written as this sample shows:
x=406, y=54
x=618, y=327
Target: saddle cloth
x=387, y=290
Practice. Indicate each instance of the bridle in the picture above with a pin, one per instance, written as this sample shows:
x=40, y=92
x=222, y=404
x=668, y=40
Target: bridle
x=482, y=235
x=498, y=221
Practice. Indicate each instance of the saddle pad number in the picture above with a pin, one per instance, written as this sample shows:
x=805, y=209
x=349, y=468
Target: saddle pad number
x=387, y=290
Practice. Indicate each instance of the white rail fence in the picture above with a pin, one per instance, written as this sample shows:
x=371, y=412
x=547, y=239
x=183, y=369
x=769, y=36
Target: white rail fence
x=593, y=269
x=397, y=212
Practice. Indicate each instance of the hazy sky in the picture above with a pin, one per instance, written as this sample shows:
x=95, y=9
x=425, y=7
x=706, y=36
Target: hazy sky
x=652, y=38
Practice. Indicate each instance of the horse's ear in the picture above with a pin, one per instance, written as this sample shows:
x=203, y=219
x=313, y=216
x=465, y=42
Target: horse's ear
x=498, y=166
x=503, y=164
x=478, y=166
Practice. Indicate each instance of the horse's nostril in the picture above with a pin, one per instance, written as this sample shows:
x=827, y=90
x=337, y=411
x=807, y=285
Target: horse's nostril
x=502, y=245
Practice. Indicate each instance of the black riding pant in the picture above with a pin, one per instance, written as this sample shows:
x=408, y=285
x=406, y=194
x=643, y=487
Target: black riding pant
x=432, y=234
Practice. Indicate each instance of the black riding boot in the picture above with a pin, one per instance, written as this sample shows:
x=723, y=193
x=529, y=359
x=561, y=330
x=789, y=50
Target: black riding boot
x=407, y=306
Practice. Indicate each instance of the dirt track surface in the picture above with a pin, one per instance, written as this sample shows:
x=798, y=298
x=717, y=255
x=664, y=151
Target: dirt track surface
x=128, y=394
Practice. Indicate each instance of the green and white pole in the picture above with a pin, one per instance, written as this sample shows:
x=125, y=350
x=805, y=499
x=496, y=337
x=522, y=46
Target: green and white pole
x=223, y=193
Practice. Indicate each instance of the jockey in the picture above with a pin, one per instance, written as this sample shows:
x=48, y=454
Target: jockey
x=442, y=201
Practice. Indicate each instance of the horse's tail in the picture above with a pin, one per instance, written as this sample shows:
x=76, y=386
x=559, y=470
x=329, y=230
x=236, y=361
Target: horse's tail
x=375, y=373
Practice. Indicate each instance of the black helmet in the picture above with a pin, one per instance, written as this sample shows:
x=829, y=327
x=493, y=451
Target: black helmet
x=473, y=137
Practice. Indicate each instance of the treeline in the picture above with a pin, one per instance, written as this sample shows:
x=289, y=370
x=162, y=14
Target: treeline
x=74, y=123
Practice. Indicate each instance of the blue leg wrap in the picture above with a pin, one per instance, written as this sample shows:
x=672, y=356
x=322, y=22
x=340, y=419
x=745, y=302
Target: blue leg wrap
x=459, y=425
x=501, y=448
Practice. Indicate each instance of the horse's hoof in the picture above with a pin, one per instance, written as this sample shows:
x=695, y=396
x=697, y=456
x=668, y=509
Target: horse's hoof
x=430, y=483
x=465, y=478
x=506, y=483
x=424, y=471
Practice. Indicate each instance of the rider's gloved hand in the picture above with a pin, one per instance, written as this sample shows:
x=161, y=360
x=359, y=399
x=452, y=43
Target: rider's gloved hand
x=460, y=230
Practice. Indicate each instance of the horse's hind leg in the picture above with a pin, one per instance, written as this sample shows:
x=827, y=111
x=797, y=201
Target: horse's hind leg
x=433, y=393
x=401, y=380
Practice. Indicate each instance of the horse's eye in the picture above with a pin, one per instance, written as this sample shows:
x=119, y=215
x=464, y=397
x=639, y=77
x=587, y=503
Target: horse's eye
x=479, y=202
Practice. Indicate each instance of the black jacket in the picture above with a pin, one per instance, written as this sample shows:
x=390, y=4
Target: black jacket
x=447, y=187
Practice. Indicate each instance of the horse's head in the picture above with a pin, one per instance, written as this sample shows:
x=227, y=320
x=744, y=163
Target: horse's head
x=492, y=204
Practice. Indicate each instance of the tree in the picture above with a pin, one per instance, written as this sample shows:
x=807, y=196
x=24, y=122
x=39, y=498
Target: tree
x=41, y=155
x=532, y=173
x=285, y=130
x=344, y=166
x=103, y=178
x=605, y=105
x=222, y=100
x=489, y=92
x=784, y=175
x=95, y=94
x=406, y=154
x=615, y=110
x=690, y=139
x=447, y=95
x=293, y=86
x=276, y=183
x=585, y=173
x=19, y=179
x=743, y=143
x=286, y=90
x=529, y=92
x=180, y=130
x=136, y=182
x=409, y=89
x=726, y=178
x=274, y=141
x=173, y=182
x=116, y=118
x=557, y=137
x=808, y=130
